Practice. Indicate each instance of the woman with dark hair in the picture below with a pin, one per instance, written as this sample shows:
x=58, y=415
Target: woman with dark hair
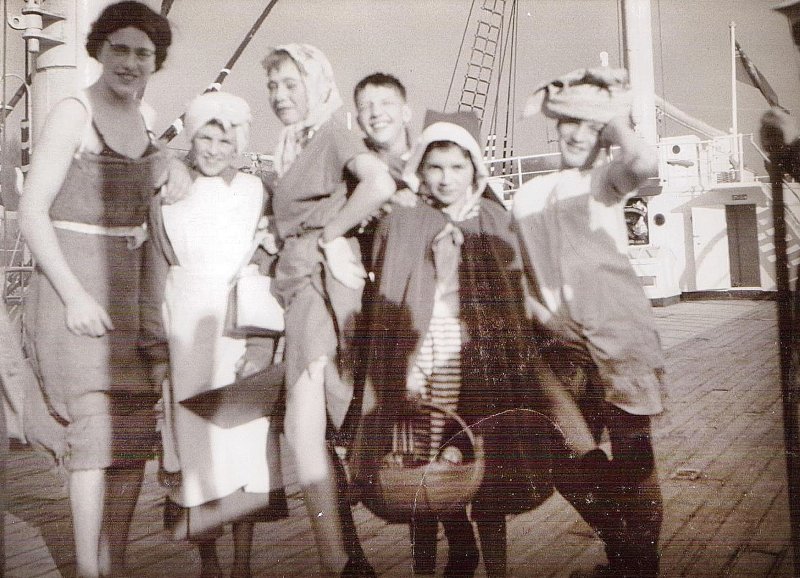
x=86, y=200
x=327, y=184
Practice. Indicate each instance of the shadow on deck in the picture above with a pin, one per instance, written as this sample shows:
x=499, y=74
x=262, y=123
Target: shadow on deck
x=720, y=457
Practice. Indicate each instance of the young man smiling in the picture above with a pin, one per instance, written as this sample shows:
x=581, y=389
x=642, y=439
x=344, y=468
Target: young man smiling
x=580, y=286
x=383, y=114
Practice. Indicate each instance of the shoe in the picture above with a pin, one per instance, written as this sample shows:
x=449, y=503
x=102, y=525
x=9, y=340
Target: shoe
x=463, y=562
x=599, y=571
x=358, y=568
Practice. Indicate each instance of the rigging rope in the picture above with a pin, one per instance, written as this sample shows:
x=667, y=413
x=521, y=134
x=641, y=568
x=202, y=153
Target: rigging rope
x=3, y=109
x=495, y=108
x=508, y=54
x=620, y=41
x=165, y=6
x=512, y=82
x=458, y=55
x=661, y=58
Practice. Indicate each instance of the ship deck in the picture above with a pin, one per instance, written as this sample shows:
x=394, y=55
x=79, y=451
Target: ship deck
x=720, y=455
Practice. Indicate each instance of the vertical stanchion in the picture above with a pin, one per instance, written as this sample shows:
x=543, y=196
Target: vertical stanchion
x=789, y=391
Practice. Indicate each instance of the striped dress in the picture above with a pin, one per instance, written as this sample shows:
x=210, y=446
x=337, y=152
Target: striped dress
x=436, y=371
x=437, y=368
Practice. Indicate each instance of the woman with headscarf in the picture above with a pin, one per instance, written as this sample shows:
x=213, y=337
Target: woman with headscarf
x=95, y=168
x=199, y=246
x=327, y=184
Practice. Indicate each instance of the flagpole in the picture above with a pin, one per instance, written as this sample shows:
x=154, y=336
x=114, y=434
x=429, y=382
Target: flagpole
x=734, y=104
x=177, y=125
x=734, y=113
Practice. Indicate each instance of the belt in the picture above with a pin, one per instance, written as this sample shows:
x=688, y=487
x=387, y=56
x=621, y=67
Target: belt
x=136, y=234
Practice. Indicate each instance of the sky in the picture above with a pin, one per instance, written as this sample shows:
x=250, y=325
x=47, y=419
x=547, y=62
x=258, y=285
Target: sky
x=418, y=41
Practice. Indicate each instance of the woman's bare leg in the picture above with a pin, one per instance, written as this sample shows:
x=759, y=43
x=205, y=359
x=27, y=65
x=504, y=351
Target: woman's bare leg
x=123, y=486
x=305, y=423
x=87, y=489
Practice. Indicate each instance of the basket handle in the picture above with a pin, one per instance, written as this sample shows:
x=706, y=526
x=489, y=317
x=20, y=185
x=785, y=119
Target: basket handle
x=453, y=415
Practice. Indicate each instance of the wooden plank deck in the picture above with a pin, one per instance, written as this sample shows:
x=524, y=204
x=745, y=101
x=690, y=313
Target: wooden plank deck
x=720, y=457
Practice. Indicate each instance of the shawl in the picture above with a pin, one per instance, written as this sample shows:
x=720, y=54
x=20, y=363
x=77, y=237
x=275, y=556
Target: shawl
x=323, y=100
x=499, y=343
x=499, y=353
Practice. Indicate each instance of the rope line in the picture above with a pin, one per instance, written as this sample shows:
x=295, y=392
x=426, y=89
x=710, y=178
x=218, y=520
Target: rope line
x=177, y=126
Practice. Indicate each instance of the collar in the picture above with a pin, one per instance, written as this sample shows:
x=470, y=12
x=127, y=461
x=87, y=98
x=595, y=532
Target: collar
x=385, y=155
x=227, y=174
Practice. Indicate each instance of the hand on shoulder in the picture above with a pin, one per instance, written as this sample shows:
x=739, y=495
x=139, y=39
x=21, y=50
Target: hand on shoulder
x=176, y=182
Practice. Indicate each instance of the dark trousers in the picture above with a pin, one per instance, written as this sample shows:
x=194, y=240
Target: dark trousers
x=462, y=548
x=619, y=498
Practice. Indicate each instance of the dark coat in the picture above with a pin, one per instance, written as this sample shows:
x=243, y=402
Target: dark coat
x=499, y=352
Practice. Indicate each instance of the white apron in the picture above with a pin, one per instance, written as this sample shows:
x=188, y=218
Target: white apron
x=210, y=233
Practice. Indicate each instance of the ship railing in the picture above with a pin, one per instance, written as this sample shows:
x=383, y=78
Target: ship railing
x=17, y=263
x=685, y=163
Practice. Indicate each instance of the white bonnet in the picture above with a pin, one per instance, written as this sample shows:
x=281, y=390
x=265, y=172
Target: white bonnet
x=225, y=108
x=444, y=131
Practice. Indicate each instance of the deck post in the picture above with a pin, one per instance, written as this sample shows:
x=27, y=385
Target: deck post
x=790, y=389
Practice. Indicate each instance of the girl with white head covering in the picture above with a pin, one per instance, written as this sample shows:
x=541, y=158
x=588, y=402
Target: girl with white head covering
x=227, y=110
x=447, y=327
x=199, y=244
x=328, y=183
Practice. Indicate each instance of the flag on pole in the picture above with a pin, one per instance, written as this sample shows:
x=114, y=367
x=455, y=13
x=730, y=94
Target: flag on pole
x=747, y=73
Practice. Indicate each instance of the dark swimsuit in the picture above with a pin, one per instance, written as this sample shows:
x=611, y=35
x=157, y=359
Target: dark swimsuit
x=99, y=385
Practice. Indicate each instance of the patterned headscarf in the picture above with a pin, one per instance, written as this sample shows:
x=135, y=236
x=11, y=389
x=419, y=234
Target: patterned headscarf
x=227, y=109
x=594, y=94
x=323, y=100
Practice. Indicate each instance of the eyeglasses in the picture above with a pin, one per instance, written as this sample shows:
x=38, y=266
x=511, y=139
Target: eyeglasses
x=123, y=51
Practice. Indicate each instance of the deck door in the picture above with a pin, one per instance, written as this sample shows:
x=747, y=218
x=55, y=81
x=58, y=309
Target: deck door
x=743, y=245
x=710, y=244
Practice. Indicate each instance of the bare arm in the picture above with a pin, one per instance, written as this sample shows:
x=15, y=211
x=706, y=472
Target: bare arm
x=636, y=162
x=375, y=187
x=59, y=140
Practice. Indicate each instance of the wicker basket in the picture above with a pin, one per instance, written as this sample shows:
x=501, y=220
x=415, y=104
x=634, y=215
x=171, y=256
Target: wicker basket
x=402, y=486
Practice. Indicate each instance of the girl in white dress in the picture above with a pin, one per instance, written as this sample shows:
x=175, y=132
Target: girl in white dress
x=204, y=239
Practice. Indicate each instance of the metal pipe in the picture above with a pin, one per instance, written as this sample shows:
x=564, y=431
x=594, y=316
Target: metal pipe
x=177, y=126
x=787, y=322
x=25, y=123
x=686, y=119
